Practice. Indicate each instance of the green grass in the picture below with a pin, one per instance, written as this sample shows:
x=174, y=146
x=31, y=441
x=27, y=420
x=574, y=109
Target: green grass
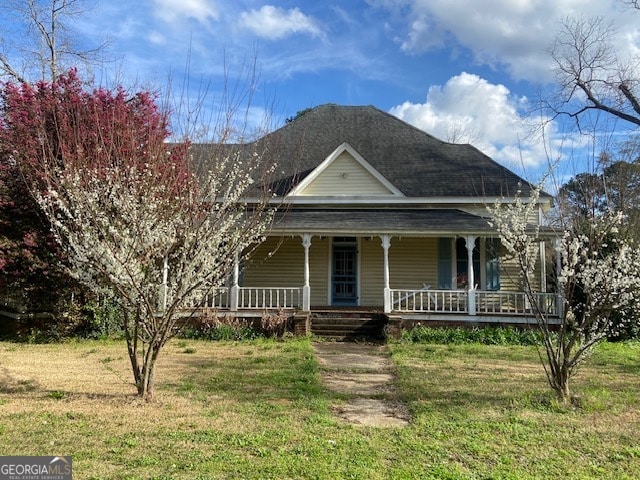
x=257, y=409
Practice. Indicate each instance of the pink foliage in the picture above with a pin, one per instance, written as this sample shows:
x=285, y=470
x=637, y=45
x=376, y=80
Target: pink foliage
x=47, y=126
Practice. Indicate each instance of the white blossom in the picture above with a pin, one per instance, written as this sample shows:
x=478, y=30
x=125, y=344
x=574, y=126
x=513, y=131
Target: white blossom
x=599, y=277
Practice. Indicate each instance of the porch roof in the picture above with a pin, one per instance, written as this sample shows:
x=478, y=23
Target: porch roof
x=436, y=221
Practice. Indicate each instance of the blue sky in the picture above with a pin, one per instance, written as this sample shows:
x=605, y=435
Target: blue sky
x=462, y=70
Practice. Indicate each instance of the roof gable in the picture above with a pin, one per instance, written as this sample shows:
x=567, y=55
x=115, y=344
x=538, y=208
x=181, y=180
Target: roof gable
x=345, y=173
x=412, y=161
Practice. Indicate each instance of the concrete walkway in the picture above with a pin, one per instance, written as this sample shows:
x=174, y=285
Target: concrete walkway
x=365, y=374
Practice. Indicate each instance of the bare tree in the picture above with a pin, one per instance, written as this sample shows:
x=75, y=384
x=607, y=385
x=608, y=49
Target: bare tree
x=39, y=42
x=462, y=130
x=590, y=74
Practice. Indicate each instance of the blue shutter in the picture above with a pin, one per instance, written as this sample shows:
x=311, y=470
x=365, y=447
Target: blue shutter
x=493, y=263
x=444, y=264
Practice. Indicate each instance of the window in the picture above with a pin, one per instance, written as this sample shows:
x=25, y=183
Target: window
x=492, y=246
x=444, y=264
x=462, y=262
x=453, y=263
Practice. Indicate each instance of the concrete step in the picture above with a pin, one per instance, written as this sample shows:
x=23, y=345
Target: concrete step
x=352, y=327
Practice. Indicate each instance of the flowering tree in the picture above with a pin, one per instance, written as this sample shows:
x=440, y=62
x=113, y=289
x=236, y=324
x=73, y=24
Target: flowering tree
x=599, y=274
x=37, y=41
x=134, y=217
x=30, y=261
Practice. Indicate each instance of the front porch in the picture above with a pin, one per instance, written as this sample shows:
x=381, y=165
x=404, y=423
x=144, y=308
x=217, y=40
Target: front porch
x=473, y=306
x=357, y=272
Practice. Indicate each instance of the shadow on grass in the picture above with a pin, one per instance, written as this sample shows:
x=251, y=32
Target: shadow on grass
x=10, y=384
x=249, y=373
x=457, y=380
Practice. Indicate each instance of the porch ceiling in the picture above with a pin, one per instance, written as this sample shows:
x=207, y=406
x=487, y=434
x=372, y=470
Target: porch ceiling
x=377, y=221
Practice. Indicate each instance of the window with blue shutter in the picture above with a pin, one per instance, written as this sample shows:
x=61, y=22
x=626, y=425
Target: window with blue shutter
x=493, y=263
x=444, y=264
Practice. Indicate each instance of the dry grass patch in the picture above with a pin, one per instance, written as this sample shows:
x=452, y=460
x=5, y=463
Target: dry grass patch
x=258, y=410
x=78, y=399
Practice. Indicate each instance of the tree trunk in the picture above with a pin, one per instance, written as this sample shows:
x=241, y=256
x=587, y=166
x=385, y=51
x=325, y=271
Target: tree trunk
x=561, y=384
x=143, y=363
x=146, y=385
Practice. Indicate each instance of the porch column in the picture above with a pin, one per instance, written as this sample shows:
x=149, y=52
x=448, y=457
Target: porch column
x=543, y=267
x=235, y=287
x=386, y=243
x=471, y=242
x=306, y=289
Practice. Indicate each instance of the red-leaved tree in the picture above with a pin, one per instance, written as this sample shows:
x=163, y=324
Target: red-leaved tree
x=133, y=217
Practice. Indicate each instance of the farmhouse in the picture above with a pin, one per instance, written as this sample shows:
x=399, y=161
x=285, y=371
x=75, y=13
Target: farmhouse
x=381, y=220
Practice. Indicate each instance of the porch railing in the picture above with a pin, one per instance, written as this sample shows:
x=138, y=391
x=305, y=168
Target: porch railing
x=402, y=300
x=258, y=298
x=435, y=301
x=516, y=303
x=486, y=302
x=269, y=297
x=218, y=298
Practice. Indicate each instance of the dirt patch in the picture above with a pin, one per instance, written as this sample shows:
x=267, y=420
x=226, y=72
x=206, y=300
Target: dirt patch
x=359, y=383
x=371, y=412
x=365, y=373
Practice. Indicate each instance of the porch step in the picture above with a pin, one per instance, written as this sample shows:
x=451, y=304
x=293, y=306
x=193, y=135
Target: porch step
x=348, y=325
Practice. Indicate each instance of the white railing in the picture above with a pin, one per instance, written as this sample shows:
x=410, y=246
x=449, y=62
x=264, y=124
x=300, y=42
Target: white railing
x=457, y=301
x=217, y=298
x=433, y=301
x=515, y=303
x=269, y=297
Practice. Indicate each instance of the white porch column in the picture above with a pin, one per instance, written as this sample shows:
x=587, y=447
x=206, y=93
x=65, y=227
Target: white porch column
x=543, y=267
x=306, y=288
x=235, y=288
x=471, y=281
x=386, y=243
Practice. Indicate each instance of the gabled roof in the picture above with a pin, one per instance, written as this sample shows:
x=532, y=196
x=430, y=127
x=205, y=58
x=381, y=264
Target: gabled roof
x=377, y=184
x=414, y=162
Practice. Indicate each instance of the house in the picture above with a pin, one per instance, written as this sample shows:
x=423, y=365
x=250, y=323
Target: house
x=382, y=217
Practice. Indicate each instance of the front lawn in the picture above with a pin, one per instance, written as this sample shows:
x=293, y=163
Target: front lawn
x=258, y=410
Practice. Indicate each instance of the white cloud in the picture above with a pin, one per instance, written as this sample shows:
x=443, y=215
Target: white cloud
x=202, y=11
x=274, y=23
x=513, y=33
x=157, y=38
x=469, y=109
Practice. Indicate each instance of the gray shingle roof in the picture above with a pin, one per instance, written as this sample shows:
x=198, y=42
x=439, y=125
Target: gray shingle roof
x=366, y=221
x=417, y=163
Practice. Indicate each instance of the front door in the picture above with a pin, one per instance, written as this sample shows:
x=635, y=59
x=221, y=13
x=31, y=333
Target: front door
x=344, y=278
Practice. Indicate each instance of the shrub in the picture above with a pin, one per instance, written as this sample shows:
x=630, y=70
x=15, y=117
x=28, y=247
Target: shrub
x=73, y=319
x=275, y=325
x=214, y=327
x=484, y=335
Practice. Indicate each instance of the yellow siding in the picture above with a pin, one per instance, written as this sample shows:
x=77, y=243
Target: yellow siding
x=371, y=272
x=280, y=263
x=319, y=270
x=345, y=176
x=413, y=262
x=276, y=263
x=510, y=276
